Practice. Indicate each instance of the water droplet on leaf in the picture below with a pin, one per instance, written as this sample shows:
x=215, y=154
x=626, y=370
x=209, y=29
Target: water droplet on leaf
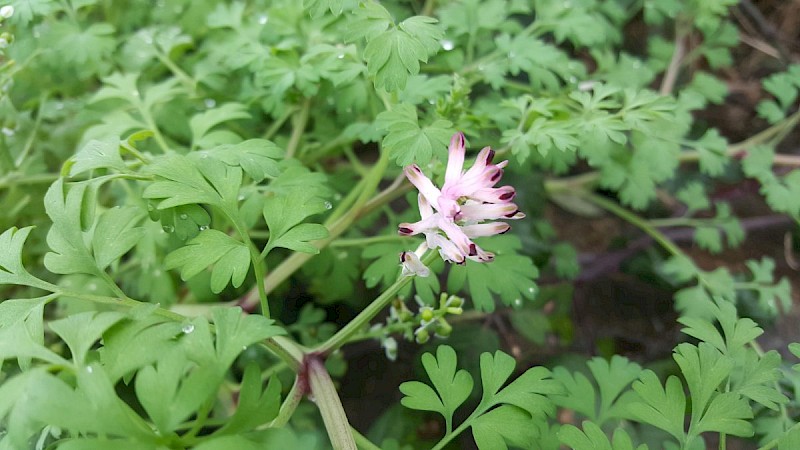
x=328, y=205
x=447, y=45
x=184, y=216
x=210, y=102
x=203, y=227
x=188, y=328
x=517, y=303
x=263, y=19
x=168, y=228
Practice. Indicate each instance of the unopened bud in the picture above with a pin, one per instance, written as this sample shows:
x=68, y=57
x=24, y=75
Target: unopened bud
x=426, y=314
x=7, y=11
x=443, y=328
x=422, y=336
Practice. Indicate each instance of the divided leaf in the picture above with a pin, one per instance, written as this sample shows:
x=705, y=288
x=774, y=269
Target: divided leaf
x=284, y=214
x=230, y=258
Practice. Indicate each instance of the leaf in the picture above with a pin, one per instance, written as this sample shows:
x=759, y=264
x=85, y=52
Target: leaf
x=510, y=276
x=235, y=331
x=504, y=425
x=318, y=8
x=386, y=265
x=184, y=180
x=115, y=234
x=98, y=154
x=593, y=438
x=407, y=142
x=662, y=407
x=257, y=157
x=230, y=258
x=529, y=391
x=713, y=152
x=704, y=369
x=728, y=413
x=255, y=407
x=11, y=269
x=137, y=342
x=452, y=387
x=284, y=214
x=81, y=331
x=69, y=253
x=394, y=54
x=200, y=124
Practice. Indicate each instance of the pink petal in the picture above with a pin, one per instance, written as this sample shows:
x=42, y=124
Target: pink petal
x=423, y=184
x=447, y=249
x=425, y=225
x=494, y=195
x=482, y=256
x=485, y=229
x=457, y=236
x=488, y=211
x=412, y=265
x=455, y=159
x=425, y=209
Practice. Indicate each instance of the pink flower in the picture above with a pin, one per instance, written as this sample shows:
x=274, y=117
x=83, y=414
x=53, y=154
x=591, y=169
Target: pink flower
x=450, y=217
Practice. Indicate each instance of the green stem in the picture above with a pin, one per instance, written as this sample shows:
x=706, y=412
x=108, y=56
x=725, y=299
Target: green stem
x=427, y=9
x=358, y=242
x=288, y=406
x=298, y=128
x=329, y=404
x=290, y=352
x=373, y=309
x=277, y=124
x=187, y=80
x=32, y=136
x=151, y=124
x=360, y=206
x=259, y=267
x=635, y=220
x=362, y=441
x=13, y=180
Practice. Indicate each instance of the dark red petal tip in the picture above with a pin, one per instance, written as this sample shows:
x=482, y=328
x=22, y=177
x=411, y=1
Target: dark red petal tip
x=489, y=156
x=508, y=195
x=473, y=250
x=513, y=213
x=404, y=230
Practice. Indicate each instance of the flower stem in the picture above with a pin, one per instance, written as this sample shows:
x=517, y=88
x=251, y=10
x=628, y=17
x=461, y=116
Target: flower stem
x=298, y=127
x=344, y=335
x=635, y=220
x=330, y=407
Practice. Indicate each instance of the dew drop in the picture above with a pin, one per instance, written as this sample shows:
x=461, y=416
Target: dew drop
x=188, y=328
x=91, y=286
x=517, y=303
x=340, y=56
x=447, y=45
x=431, y=101
x=337, y=196
x=263, y=19
x=8, y=131
x=203, y=227
x=342, y=255
x=89, y=369
x=135, y=93
x=210, y=102
x=184, y=216
x=168, y=228
x=244, y=347
x=328, y=205
x=240, y=197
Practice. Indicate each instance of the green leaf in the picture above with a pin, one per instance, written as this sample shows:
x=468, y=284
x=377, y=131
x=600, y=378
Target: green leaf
x=255, y=407
x=593, y=438
x=452, y=387
x=694, y=196
x=257, y=157
x=504, y=425
x=115, y=234
x=200, y=124
x=728, y=413
x=236, y=331
x=713, y=152
x=529, y=391
x=137, y=342
x=81, y=331
x=704, y=369
x=317, y=8
x=662, y=407
x=69, y=253
x=394, y=54
x=407, y=142
x=184, y=180
x=510, y=276
x=386, y=265
x=11, y=269
x=230, y=257
x=98, y=154
x=284, y=214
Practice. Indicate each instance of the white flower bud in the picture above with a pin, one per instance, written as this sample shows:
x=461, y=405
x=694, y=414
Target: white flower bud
x=7, y=11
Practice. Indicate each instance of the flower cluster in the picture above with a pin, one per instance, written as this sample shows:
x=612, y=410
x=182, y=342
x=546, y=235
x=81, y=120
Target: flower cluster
x=452, y=216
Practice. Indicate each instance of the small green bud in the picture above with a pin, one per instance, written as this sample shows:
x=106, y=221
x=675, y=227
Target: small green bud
x=426, y=314
x=422, y=336
x=443, y=328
